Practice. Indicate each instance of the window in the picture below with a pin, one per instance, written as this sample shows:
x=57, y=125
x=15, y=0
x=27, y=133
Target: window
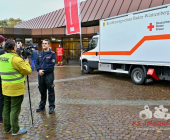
x=93, y=43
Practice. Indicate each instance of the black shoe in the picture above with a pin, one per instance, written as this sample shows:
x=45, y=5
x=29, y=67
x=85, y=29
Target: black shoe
x=51, y=110
x=40, y=109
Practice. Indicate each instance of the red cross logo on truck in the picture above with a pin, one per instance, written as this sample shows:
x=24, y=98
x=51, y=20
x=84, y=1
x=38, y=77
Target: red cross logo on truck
x=150, y=27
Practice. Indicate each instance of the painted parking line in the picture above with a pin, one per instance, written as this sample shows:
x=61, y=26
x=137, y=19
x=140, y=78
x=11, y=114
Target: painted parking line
x=67, y=79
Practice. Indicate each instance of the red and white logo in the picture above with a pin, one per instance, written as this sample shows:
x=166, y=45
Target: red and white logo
x=150, y=27
x=72, y=16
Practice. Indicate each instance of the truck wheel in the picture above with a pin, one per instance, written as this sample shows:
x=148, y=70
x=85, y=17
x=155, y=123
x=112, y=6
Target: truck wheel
x=86, y=68
x=137, y=76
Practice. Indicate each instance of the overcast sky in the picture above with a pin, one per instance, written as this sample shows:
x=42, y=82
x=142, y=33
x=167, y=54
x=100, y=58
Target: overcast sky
x=28, y=9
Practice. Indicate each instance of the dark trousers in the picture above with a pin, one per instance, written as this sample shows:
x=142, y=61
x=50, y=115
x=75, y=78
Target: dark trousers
x=12, y=108
x=1, y=101
x=46, y=83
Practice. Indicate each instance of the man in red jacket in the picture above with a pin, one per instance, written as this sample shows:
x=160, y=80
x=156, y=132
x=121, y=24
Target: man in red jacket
x=60, y=53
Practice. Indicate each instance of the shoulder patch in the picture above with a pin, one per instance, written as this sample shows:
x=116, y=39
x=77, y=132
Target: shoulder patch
x=52, y=52
x=53, y=60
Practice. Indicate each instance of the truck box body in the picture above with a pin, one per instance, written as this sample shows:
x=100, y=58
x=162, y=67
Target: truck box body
x=137, y=44
x=136, y=38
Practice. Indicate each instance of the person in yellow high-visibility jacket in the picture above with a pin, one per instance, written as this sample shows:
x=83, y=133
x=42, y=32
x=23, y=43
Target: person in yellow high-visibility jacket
x=12, y=71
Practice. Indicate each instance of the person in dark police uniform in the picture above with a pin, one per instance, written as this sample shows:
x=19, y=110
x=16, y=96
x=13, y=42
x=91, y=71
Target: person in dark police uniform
x=44, y=64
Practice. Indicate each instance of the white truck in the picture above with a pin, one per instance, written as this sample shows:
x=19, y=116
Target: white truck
x=136, y=43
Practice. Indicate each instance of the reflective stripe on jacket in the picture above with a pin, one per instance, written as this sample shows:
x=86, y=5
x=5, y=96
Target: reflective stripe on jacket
x=24, y=68
x=7, y=72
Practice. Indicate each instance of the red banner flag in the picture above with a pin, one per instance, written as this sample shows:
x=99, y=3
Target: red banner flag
x=72, y=16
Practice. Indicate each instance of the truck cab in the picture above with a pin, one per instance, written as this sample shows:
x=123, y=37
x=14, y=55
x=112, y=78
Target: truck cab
x=90, y=56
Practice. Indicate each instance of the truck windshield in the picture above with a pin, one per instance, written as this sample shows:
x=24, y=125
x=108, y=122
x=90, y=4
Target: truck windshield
x=92, y=44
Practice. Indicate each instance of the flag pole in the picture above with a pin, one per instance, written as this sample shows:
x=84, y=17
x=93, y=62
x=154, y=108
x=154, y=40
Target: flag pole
x=81, y=45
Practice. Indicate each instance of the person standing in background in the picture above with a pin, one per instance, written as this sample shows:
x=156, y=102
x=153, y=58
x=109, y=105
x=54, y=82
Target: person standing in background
x=2, y=43
x=60, y=53
x=33, y=58
x=37, y=52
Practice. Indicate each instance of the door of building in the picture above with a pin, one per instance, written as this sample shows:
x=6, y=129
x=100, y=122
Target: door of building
x=54, y=47
x=72, y=50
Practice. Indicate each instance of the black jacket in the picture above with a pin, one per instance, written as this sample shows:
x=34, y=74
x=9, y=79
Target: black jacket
x=1, y=51
x=46, y=61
